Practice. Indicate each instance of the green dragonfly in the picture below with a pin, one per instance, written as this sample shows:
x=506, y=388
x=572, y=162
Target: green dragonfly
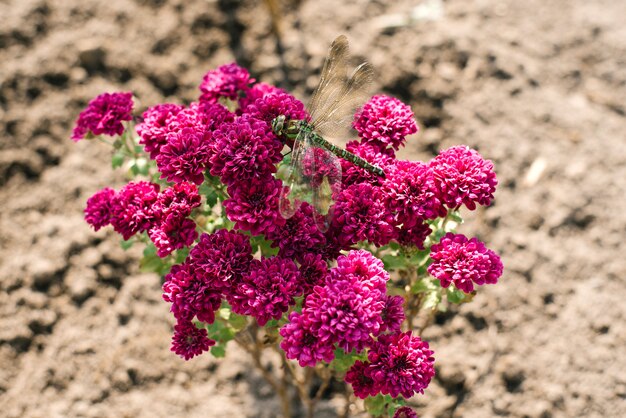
x=314, y=172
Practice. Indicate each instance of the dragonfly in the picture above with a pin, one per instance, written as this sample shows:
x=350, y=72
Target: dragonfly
x=314, y=172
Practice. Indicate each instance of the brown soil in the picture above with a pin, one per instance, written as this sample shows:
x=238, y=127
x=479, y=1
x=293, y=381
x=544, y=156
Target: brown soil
x=537, y=86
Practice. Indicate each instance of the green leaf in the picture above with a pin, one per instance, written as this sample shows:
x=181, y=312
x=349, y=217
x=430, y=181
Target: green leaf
x=117, y=160
x=343, y=361
x=455, y=295
x=126, y=244
x=394, y=262
x=218, y=351
x=238, y=322
x=376, y=405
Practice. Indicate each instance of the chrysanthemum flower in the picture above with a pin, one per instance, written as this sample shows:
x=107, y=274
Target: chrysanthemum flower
x=267, y=291
x=401, y=364
x=464, y=262
x=366, y=268
x=222, y=258
x=257, y=91
x=360, y=214
x=178, y=200
x=300, y=343
x=275, y=104
x=344, y=311
x=405, y=412
x=359, y=376
x=211, y=115
x=189, y=341
x=104, y=115
x=385, y=121
x=132, y=208
x=411, y=193
x=98, y=208
x=392, y=314
x=190, y=294
x=464, y=177
x=253, y=206
x=226, y=81
x=414, y=235
x=299, y=235
x=172, y=233
x=243, y=150
x=155, y=126
x=185, y=156
x=313, y=272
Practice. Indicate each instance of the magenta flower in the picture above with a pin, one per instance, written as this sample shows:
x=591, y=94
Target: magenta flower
x=366, y=268
x=385, y=121
x=244, y=150
x=414, y=235
x=392, y=314
x=189, y=341
x=222, y=258
x=155, y=126
x=178, y=200
x=405, y=412
x=464, y=262
x=132, y=208
x=172, y=234
x=257, y=91
x=104, y=115
x=412, y=193
x=267, y=291
x=275, y=104
x=360, y=214
x=253, y=206
x=463, y=177
x=225, y=82
x=185, y=156
x=345, y=311
x=190, y=294
x=300, y=343
x=313, y=272
x=401, y=364
x=359, y=376
x=299, y=235
x=98, y=208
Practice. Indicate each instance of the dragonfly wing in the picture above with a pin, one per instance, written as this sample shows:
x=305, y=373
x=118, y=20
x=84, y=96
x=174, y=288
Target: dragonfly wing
x=326, y=186
x=335, y=121
x=333, y=76
x=296, y=187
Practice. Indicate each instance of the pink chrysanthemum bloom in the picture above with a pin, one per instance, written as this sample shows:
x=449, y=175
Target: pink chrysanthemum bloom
x=412, y=193
x=359, y=377
x=272, y=105
x=98, y=208
x=253, y=206
x=104, y=115
x=299, y=235
x=267, y=291
x=189, y=341
x=172, y=234
x=353, y=174
x=178, y=200
x=366, y=268
x=360, y=214
x=345, y=311
x=300, y=343
x=222, y=258
x=464, y=177
x=405, y=412
x=185, y=156
x=392, y=314
x=385, y=121
x=212, y=115
x=401, y=364
x=414, y=235
x=132, y=208
x=257, y=91
x=243, y=150
x=464, y=262
x=190, y=294
x=226, y=81
x=313, y=272
x=155, y=126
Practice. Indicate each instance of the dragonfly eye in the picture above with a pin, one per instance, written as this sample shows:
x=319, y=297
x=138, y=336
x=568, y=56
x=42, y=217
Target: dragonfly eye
x=278, y=124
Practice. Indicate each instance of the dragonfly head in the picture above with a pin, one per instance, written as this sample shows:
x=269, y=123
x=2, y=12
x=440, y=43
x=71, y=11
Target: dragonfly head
x=278, y=125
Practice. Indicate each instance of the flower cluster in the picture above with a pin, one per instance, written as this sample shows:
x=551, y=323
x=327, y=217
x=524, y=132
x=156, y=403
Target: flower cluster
x=104, y=115
x=260, y=245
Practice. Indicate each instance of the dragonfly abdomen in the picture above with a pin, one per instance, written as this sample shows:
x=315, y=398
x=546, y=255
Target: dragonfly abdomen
x=346, y=155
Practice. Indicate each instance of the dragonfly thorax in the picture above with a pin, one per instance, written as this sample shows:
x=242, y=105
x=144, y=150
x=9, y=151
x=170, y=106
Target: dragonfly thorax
x=289, y=128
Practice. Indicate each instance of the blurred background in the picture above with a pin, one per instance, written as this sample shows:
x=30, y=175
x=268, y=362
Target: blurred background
x=537, y=86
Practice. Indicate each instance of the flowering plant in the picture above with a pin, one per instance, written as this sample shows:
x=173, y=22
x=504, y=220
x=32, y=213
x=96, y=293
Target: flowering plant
x=205, y=203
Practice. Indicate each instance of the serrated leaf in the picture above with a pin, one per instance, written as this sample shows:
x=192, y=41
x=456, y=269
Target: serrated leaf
x=455, y=295
x=218, y=351
x=126, y=244
x=149, y=250
x=376, y=405
x=117, y=160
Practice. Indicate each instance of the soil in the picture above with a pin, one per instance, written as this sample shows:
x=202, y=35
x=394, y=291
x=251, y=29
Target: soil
x=536, y=86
